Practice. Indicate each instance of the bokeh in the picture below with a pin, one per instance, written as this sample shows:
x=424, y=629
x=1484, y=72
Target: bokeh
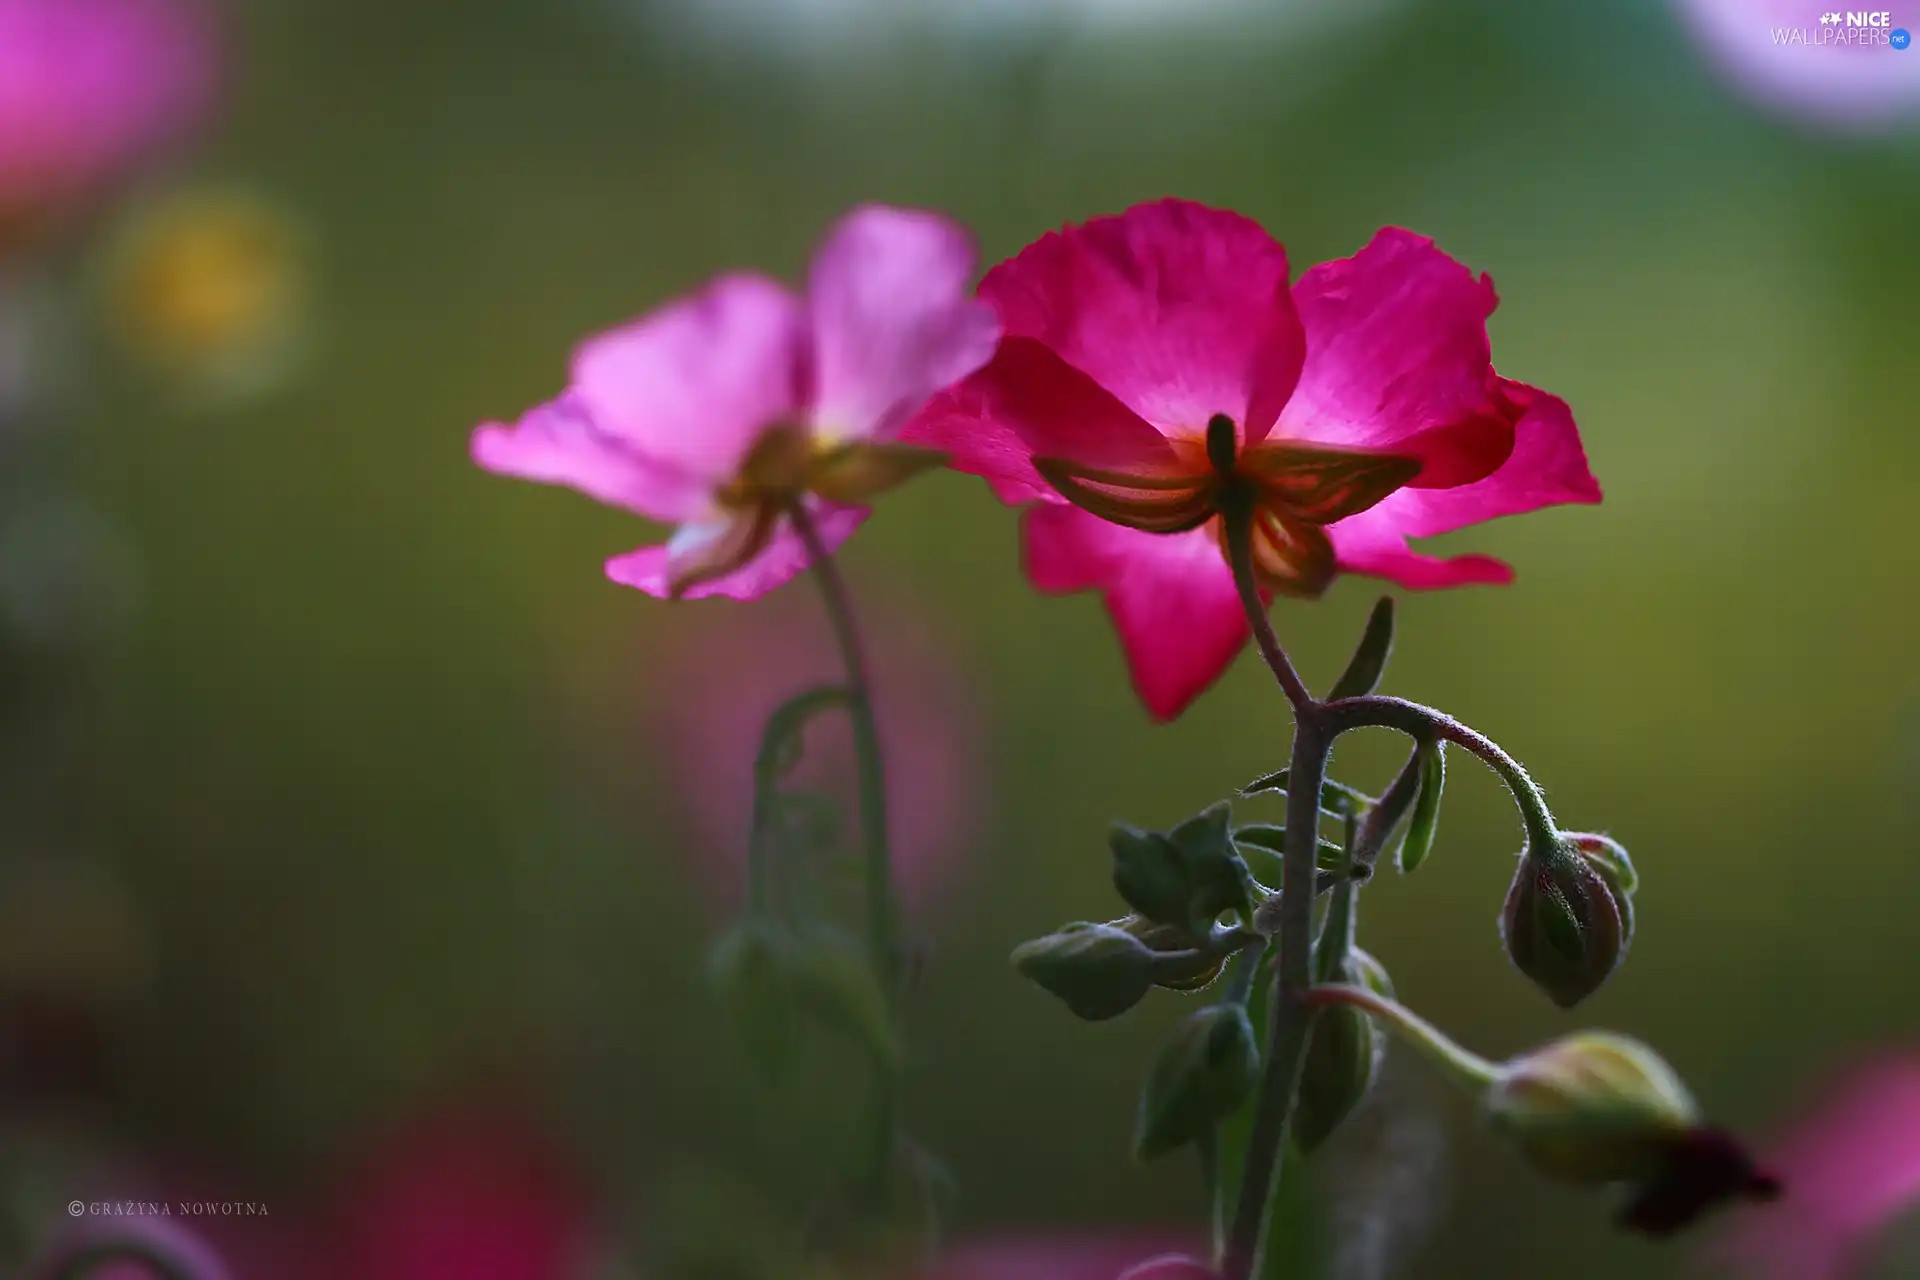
x=337, y=782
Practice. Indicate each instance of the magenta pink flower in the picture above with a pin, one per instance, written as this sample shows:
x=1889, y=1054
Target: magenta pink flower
x=1363, y=406
x=89, y=87
x=718, y=413
x=712, y=689
x=1849, y=1170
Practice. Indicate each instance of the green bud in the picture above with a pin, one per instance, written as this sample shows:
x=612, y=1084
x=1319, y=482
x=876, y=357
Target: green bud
x=1181, y=963
x=1566, y=926
x=1099, y=970
x=748, y=967
x=1592, y=1108
x=1187, y=876
x=1344, y=1057
x=1201, y=1077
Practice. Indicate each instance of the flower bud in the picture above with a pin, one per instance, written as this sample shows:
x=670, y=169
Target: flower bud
x=1598, y=1108
x=1099, y=970
x=1343, y=1058
x=1200, y=1078
x=1566, y=925
x=1591, y=1108
x=1181, y=963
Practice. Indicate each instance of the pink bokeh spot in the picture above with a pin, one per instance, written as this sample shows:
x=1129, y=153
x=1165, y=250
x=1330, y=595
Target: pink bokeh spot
x=712, y=687
x=90, y=88
x=1150, y=322
x=663, y=415
x=1849, y=1169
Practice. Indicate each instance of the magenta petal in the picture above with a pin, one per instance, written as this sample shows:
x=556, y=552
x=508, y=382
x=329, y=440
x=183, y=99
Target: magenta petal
x=556, y=443
x=693, y=384
x=960, y=421
x=1397, y=357
x=783, y=559
x=1548, y=467
x=893, y=321
x=1171, y=597
x=1181, y=311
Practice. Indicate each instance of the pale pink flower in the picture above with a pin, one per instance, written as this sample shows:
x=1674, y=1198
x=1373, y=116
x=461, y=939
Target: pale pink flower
x=1849, y=1170
x=88, y=88
x=716, y=413
x=1786, y=56
x=720, y=676
x=1359, y=405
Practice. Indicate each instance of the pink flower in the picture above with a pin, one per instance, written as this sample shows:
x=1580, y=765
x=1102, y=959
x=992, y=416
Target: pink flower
x=1849, y=1170
x=1157, y=360
x=713, y=688
x=463, y=1195
x=720, y=412
x=89, y=87
x=1065, y=1258
x=1783, y=55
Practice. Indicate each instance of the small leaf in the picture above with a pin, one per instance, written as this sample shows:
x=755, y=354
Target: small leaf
x=1272, y=839
x=1186, y=876
x=1425, y=822
x=1369, y=660
x=1337, y=799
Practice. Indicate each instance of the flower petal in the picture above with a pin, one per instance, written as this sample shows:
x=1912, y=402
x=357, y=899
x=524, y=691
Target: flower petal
x=1181, y=311
x=1029, y=402
x=893, y=321
x=1548, y=467
x=695, y=383
x=780, y=560
x=1171, y=597
x=1398, y=360
x=1324, y=485
x=557, y=443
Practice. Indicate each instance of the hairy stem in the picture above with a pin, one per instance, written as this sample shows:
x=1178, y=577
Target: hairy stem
x=1463, y=1067
x=882, y=910
x=1424, y=724
x=1290, y=1021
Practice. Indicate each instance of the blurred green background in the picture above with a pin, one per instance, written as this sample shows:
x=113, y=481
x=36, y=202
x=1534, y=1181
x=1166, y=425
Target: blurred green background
x=369, y=757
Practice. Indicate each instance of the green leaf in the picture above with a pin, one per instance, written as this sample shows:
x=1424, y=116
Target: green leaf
x=1369, y=660
x=1425, y=822
x=1337, y=799
x=1269, y=838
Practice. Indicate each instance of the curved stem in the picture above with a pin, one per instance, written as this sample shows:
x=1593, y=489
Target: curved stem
x=1239, y=524
x=1465, y=1068
x=882, y=911
x=1424, y=724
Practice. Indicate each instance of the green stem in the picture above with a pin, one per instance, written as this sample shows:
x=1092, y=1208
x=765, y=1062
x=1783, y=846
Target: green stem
x=1208, y=1145
x=1467, y=1069
x=1423, y=724
x=1343, y=916
x=882, y=910
x=1290, y=1022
